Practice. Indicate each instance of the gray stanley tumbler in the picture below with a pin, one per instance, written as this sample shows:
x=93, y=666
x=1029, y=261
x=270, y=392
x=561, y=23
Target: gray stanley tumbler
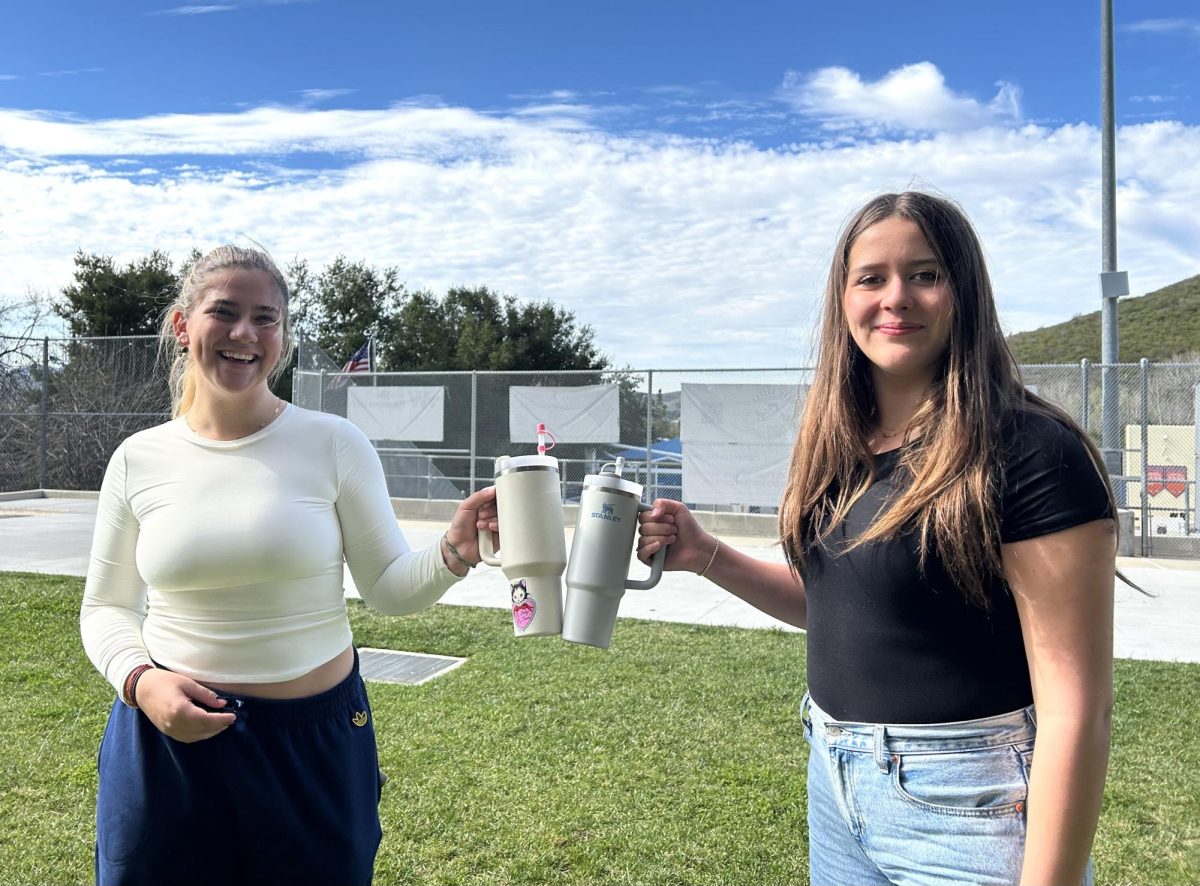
x=598, y=568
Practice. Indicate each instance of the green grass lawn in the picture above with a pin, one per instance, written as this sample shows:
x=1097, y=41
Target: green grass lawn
x=673, y=758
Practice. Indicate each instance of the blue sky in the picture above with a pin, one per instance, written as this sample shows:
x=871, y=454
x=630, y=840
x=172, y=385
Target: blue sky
x=688, y=163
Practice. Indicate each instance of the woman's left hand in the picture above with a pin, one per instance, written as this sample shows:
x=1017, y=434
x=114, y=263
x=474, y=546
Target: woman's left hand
x=477, y=512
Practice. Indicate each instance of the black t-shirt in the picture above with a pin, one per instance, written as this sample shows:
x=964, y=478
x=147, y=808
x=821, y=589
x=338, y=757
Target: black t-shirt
x=888, y=644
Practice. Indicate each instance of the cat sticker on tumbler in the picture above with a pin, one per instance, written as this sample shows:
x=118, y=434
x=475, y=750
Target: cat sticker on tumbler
x=524, y=606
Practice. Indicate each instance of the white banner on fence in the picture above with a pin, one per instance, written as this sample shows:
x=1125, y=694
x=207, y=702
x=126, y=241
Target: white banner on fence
x=397, y=413
x=737, y=441
x=745, y=413
x=588, y=414
x=735, y=473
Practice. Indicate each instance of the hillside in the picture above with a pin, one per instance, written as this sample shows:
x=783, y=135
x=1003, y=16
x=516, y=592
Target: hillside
x=1161, y=326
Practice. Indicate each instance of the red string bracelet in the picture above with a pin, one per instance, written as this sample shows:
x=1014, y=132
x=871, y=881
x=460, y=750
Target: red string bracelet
x=131, y=684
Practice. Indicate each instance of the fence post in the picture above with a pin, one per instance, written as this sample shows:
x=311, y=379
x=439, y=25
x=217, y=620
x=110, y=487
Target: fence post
x=474, y=390
x=1083, y=381
x=296, y=369
x=1145, y=364
x=42, y=460
x=1111, y=444
x=649, y=433
x=321, y=393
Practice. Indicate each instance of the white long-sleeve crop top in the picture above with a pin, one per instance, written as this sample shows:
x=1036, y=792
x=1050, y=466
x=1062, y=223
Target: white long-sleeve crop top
x=222, y=560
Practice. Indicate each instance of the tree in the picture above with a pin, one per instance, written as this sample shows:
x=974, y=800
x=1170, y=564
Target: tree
x=474, y=328
x=102, y=388
x=343, y=304
x=20, y=390
x=97, y=391
x=416, y=338
x=18, y=323
x=106, y=299
x=542, y=336
x=661, y=424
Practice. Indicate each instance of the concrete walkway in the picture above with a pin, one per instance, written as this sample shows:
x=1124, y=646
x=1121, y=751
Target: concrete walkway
x=53, y=535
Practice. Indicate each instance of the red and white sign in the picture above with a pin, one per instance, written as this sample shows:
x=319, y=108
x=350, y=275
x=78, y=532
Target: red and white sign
x=1172, y=478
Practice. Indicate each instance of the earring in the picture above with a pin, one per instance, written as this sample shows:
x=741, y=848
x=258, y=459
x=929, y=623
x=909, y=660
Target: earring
x=184, y=349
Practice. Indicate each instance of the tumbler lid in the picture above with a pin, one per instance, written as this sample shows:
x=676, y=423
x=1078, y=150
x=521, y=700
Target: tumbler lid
x=507, y=463
x=613, y=483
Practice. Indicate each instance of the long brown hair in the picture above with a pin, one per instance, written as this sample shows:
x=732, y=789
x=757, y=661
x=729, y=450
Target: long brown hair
x=954, y=464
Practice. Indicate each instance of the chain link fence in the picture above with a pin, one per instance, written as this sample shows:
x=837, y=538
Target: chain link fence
x=1151, y=441
x=65, y=404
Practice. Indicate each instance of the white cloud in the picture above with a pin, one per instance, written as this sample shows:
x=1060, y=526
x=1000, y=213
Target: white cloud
x=315, y=96
x=554, y=95
x=225, y=7
x=265, y=130
x=562, y=115
x=1186, y=26
x=679, y=252
x=670, y=90
x=914, y=98
x=197, y=10
x=70, y=73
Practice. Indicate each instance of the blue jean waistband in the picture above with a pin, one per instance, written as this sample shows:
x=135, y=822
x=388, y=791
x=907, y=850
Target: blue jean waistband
x=1014, y=727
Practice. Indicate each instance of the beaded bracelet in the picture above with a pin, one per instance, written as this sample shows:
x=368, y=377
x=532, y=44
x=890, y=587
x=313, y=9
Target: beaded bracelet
x=711, y=559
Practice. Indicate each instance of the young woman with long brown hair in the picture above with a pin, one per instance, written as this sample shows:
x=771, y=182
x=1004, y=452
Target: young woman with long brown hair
x=950, y=547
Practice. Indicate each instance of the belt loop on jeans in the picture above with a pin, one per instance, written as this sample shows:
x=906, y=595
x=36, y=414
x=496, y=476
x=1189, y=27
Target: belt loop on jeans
x=879, y=734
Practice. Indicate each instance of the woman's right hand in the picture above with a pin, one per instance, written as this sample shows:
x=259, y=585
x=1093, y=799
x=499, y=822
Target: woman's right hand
x=170, y=701
x=669, y=522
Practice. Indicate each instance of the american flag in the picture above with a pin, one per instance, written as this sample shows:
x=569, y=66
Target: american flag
x=361, y=361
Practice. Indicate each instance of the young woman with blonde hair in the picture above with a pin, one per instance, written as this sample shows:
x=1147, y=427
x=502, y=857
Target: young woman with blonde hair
x=241, y=747
x=950, y=548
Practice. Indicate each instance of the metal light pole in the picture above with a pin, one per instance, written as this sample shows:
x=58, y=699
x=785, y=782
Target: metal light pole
x=1113, y=283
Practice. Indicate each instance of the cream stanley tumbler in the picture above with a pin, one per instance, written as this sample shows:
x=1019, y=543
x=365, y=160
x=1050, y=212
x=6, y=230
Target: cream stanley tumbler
x=533, y=550
x=598, y=571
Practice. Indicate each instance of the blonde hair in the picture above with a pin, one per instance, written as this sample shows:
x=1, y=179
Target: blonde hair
x=192, y=289
x=954, y=465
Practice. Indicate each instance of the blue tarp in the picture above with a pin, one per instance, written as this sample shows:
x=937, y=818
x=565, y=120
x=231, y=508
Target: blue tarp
x=670, y=450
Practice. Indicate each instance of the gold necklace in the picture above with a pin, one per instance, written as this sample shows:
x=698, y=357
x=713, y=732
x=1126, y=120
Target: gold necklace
x=198, y=428
x=278, y=409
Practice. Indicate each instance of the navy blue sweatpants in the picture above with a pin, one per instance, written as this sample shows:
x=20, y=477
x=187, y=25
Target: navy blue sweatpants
x=288, y=794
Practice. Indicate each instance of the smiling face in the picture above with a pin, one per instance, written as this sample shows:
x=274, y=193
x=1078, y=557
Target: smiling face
x=897, y=302
x=234, y=331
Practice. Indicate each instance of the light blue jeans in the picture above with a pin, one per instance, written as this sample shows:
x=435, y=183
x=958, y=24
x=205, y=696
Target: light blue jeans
x=940, y=803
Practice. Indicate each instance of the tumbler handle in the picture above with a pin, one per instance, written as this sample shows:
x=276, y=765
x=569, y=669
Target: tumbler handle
x=487, y=552
x=656, y=563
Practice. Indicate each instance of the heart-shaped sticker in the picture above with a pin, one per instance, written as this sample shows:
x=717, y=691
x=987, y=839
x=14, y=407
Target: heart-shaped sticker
x=523, y=613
